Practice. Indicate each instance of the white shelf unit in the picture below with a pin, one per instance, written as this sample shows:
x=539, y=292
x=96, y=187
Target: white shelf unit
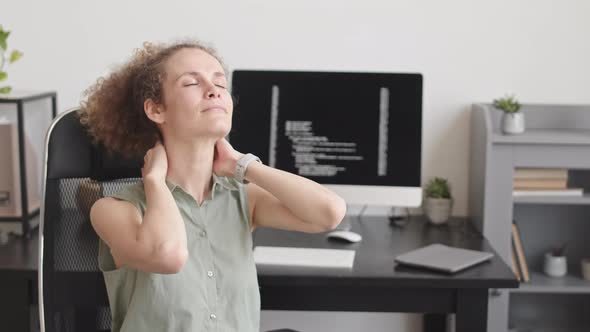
x=557, y=136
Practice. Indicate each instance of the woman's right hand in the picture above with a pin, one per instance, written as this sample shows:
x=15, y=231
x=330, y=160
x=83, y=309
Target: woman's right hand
x=155, y=163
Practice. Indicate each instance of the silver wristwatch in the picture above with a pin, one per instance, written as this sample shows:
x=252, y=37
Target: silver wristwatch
x=242, y=165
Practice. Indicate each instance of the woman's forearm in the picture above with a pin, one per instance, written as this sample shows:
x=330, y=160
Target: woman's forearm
x=306, y=199
x=162, y=227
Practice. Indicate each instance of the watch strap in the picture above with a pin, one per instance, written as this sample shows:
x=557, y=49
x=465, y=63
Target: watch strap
x=242, y=165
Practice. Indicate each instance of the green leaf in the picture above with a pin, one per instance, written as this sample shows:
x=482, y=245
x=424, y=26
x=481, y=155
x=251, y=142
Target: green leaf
x=14, y=56
x=3, y=75
x=3, y=37
x=5, y=90
x=438, y=188
x=508, y=104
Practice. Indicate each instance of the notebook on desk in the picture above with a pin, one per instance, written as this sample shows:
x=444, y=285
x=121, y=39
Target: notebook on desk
x=443, y=258
x=305, y=257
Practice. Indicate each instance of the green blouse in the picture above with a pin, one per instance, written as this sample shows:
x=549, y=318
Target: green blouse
x=217, y=288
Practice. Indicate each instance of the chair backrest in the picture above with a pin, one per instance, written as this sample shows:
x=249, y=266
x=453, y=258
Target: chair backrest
x=72, y=294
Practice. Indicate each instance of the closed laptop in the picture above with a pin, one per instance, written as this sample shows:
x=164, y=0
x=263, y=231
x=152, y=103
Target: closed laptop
x=443, y=258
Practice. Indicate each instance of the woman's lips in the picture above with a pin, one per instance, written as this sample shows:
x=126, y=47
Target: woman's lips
x=215, y=109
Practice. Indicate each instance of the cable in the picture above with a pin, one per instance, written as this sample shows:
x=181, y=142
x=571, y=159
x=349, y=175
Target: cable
x=358, y=218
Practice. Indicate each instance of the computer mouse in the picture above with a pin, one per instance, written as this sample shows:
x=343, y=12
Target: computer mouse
x=347, y=236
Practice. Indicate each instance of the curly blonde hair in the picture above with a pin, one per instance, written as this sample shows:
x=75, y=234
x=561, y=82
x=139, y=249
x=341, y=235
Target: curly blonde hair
x=114, y=109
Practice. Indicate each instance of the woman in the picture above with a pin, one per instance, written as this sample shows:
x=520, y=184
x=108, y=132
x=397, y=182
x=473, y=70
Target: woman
x=176, y=248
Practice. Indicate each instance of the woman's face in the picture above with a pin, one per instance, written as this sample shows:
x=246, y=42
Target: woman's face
x=196, y=100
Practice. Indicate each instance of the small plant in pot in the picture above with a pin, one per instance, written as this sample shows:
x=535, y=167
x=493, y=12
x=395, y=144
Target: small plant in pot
x=5, y=59
x=512, y=121
x=438, y=202
x=555, y=264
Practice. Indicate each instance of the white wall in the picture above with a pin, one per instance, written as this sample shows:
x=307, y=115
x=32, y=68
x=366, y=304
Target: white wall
x=468, y=51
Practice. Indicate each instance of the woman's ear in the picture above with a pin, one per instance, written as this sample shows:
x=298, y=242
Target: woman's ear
x=154, y=111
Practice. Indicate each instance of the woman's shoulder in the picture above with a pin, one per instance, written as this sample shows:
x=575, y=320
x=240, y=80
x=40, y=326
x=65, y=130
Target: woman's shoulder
x=228, y=183
x=133, y=187
x=132, y=192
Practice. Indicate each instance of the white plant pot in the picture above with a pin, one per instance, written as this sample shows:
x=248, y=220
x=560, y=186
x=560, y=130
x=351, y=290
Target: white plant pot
x=555, y=266
x=438, y=210
x=512, y=123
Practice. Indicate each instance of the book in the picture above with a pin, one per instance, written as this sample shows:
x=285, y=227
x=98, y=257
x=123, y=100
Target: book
x=576, y=192
x=515, y=268
x=540, y=184
x=524, y=269
x=540, y=173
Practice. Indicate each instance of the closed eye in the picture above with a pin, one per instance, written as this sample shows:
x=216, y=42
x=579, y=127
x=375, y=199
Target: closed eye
x=217, y=85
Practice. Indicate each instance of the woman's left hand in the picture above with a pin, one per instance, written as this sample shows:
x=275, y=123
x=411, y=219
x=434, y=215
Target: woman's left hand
x=225, y=159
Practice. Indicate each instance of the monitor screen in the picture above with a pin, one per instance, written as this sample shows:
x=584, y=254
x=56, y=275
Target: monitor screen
x=358, y=130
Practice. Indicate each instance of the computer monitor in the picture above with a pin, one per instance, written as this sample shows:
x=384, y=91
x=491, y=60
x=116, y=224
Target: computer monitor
x=359, y=134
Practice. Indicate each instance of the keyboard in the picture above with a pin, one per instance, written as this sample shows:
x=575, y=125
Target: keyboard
x=306, y=257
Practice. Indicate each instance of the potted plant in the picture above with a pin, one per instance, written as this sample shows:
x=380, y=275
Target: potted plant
x=555, y=264
x=512, y=121
x=438, y=202
x=6, y=58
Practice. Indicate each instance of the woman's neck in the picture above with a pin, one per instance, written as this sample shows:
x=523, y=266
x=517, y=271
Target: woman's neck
x=190, y=165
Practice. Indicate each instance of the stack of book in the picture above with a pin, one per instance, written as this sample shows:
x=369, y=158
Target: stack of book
x=543, y=182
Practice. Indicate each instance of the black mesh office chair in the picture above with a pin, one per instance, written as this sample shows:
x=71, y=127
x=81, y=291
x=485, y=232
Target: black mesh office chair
x=72, y=294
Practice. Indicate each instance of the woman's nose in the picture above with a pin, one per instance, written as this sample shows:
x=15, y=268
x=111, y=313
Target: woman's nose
x=213, y=92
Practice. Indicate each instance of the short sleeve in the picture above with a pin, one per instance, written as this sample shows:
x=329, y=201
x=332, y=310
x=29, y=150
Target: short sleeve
x=106, y=262
x=133, y=194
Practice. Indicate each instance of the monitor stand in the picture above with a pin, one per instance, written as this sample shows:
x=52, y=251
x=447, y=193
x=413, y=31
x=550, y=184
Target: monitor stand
x=399, y=216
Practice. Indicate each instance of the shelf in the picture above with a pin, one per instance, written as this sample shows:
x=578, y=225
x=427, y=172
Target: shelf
x=541, y=283
x=565, y=200
x=556, y=136
x=23, y=95
x=545, y=136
